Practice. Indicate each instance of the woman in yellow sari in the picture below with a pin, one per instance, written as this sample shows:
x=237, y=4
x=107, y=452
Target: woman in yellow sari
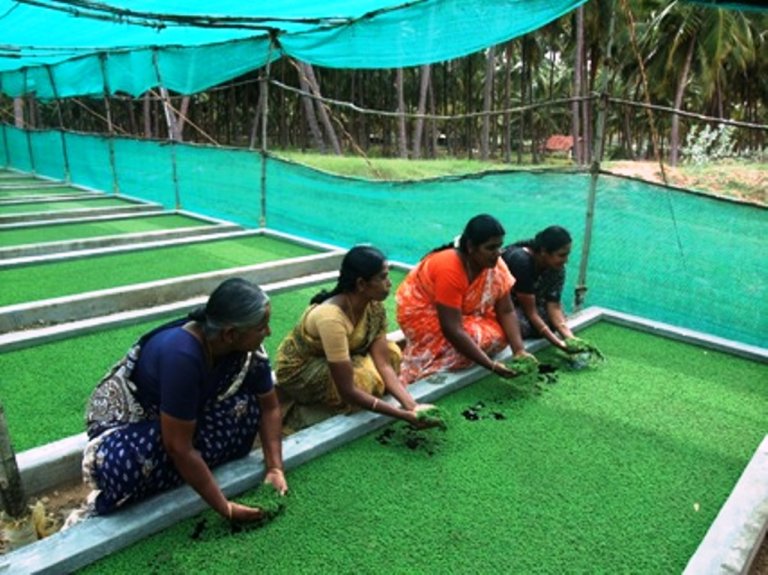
x=455, y=308
x=338, y=358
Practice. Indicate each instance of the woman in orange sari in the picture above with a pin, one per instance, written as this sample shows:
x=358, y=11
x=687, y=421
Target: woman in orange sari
x=455, y=308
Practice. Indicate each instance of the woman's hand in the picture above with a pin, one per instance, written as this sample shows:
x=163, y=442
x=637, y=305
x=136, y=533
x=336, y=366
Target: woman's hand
x=425, y=422
x=276, y=477
x=243, y=514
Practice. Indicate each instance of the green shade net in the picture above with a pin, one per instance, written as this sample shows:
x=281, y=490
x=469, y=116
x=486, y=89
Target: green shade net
x=62, y=48
x=666, y=254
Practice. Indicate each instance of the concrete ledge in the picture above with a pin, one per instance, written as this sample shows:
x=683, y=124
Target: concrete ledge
x=136, y=296
x=64, y=214
x=734, y=538
x=43, y=251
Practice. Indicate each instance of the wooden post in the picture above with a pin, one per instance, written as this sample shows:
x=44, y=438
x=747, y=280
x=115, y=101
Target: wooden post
x=11, y=490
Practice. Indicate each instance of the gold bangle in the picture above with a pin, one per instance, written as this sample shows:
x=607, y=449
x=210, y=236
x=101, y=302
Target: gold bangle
x=229, y=510
x=375, y=403
x=279, y=469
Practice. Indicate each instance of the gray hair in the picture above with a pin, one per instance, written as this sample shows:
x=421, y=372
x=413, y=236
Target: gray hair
x=236, y=302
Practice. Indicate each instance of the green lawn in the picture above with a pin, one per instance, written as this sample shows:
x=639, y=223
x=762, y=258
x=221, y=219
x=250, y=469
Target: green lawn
x=78, y=231
x=47, y=280
x=619, y=469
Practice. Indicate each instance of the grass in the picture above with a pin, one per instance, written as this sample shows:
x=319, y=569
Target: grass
x=71, y=368
x=587, y=477
x=397, y=169
x=37, y=207
x=80, y=231
x=47, y=280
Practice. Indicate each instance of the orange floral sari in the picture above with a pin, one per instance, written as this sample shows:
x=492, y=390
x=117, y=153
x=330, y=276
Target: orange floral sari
x=426, y=350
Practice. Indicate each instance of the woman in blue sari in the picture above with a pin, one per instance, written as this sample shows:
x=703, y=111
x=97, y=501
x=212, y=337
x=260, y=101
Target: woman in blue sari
x=190, y=395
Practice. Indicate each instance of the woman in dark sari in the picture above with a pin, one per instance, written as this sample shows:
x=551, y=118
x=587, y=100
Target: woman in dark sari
x=190, y=395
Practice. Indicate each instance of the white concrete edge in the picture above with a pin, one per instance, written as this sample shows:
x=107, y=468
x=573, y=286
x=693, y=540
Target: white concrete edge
x=207, y=236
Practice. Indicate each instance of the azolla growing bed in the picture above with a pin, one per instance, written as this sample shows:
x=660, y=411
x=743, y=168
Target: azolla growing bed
x=63, y=205
x=69, y=369
x=49, y=280
x=618, y=468
x=53, y=232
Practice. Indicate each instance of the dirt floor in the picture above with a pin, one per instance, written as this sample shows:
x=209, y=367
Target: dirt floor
x=736, y=181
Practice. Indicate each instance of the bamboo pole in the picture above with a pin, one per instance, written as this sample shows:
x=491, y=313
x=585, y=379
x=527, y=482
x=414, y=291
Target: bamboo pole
x=67, y=170
x=264, y=147
x=580, y=291
x=27, y=129
x=110, y=126
x=171, y=129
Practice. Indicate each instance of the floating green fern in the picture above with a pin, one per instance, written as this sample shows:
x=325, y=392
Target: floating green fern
x=434, y=415
x=581, y=353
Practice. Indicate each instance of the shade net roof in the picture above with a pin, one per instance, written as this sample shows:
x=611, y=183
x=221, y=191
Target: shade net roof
x=62, y=48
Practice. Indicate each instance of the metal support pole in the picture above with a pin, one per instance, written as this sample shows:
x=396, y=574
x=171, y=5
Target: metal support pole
x=67, y=171
x=110, y=126
x=594, y=170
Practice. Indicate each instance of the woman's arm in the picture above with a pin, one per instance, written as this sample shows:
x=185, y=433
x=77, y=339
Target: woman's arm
x=271, y=433
x=453, y=330
x=557, y=318
x=343, y=373
x=177, y=437
x=507, y=318
x=380, y=354
x=528, y=304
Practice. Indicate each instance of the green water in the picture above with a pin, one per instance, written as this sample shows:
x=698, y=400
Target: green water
x=619, y=469
x=60, y=232
x=69, y=369
x=60, y=206
x=47, y=280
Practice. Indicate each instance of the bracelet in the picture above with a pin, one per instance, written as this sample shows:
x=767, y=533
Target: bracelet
x=278, y=469
x=229, y=510
x=375, y=403
x=493, y=367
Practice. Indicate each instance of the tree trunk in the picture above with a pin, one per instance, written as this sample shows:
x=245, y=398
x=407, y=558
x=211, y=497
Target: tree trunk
x=322, y=112
x=507, y=103
x=309, y=111
x=485, y=135
x=12, y=491
x=402, y=137
x=147, y=112
x=418, y=131
x=682, y=82
x=578, y=154
x=18, y=112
